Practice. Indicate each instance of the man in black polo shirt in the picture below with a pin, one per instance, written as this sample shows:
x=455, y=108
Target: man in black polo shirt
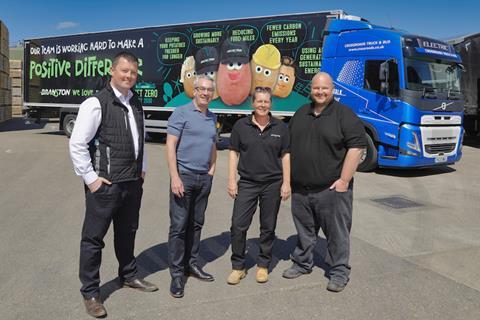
x=259, y=150
x=327, y=141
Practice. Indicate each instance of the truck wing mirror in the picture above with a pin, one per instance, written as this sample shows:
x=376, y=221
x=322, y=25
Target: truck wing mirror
x=383, y=73
x=388, y=77
x=383, y=76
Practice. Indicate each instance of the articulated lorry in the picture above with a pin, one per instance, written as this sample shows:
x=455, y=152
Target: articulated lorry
x=404, y=87
x=468, y=47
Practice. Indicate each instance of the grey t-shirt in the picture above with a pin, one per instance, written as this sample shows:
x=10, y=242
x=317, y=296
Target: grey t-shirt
x=196, y=137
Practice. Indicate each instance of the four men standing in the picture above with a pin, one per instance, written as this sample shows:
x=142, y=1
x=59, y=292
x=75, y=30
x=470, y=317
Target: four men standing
x=325, y=141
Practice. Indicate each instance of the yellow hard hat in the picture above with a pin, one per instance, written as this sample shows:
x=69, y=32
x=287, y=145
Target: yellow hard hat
x=268, y=56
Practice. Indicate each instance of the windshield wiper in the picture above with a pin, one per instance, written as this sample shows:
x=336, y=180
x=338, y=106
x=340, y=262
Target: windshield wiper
x=428, y=93
x=453, y=94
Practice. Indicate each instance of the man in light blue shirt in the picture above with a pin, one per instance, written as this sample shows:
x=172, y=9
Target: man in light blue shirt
x=191, y=156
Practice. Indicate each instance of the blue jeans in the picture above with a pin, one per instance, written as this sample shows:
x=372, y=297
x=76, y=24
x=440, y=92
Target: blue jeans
x=187, y=215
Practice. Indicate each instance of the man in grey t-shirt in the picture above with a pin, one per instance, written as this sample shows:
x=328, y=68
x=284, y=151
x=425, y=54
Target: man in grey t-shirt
x=191, y=156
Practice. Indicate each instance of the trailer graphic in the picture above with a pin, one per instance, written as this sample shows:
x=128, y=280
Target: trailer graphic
x=404, y=87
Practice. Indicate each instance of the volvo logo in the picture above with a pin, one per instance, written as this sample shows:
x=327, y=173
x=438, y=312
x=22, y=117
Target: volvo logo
x=443, y=106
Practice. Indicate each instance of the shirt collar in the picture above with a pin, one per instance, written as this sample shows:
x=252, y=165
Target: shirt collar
x=327, y=111
x=191, y=106
x=273, y=120
x=120, y=96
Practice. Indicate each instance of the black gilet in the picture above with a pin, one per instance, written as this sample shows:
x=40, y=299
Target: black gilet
x=112, y=150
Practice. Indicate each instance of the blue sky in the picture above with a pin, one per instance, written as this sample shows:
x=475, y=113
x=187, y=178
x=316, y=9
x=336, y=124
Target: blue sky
x=33, y=19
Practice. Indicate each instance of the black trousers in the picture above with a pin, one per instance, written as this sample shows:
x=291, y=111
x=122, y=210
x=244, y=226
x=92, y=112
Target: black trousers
x=187, y=215
x=120, y=203
x=331, y=211
x=249, y=195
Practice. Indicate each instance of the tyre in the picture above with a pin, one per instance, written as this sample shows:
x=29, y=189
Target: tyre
x=68, y=124
x=368, y=162
x=470, y=124
x=157, y=136
x=223, y=143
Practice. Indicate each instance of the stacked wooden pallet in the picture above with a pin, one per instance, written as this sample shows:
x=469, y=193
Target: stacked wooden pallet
x=5, y=85
x=16, y=81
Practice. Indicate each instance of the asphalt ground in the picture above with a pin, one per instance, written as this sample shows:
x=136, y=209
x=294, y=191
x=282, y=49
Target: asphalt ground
x=415, y=244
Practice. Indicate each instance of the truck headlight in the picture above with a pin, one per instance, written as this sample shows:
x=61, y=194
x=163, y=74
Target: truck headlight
x=415, y=145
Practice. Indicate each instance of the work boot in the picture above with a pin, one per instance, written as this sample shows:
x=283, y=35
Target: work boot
x=262, y=275
x=236, y=276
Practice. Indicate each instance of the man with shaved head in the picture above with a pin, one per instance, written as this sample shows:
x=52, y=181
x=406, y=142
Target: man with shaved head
x=327, y=141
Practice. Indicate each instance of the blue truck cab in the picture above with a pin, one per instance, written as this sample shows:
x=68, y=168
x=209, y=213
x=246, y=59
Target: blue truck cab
x=405, y=88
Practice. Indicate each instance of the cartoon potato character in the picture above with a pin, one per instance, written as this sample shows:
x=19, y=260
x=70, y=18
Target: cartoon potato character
x=206, y=62
x=234, y=77
x=265, y=65
x=187, y=75
x=213, y=75
x=286, y=78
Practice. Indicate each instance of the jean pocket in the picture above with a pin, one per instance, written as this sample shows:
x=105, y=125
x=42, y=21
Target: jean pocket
x=101, y=189
x=208, y=180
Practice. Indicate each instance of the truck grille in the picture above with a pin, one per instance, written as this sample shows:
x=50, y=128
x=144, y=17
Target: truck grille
x=439, y=148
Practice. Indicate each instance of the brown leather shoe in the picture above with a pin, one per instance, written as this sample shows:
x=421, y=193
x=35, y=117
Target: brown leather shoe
x=141, y=285
x=95, y=308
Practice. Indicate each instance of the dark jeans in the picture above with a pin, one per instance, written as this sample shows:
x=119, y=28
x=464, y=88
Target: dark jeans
x=187, y=215
x=331, y=211
x=249, y=194
x=119, y=202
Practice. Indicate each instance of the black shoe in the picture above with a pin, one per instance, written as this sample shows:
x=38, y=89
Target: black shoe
x=95, y=307
x=294, y=272
x=335, y=285
x=177, y=287
x=197, y=272
x=141, y=285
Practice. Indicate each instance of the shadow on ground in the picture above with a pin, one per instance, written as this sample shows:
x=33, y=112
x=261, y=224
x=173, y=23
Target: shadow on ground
x=410, y=173
x=20, y=124
x=54, y=133
x=155, y=259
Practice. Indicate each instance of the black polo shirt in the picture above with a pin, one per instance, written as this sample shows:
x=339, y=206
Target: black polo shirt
x=260, y=151
x=318, y=145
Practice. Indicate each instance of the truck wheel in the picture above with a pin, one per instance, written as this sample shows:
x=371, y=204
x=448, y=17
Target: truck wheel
x=157, y=136
x=68, y=124
x=368, y=162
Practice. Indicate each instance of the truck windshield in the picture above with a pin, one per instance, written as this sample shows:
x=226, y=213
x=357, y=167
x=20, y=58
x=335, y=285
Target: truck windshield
x=439, y=76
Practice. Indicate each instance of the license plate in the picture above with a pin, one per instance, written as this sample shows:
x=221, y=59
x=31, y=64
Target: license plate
x=440, y=159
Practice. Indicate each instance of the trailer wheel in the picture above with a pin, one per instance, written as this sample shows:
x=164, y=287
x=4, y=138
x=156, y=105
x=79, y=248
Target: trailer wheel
x=157, y=136
x=368, y=162
x=68, y=124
